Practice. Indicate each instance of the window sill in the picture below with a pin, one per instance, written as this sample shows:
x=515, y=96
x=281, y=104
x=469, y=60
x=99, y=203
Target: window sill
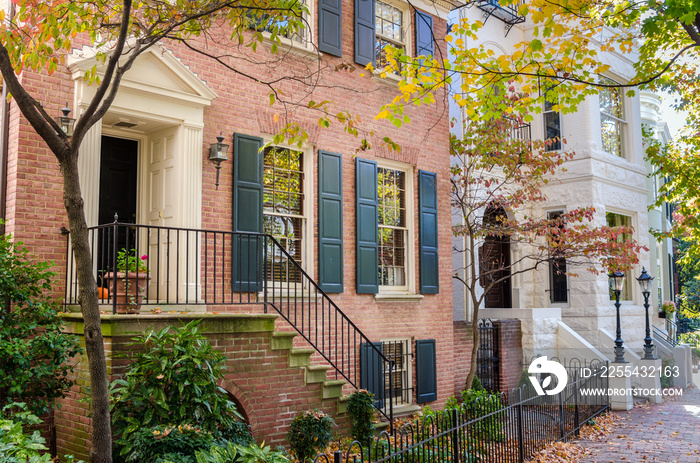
x=398, y=297
x=389, y=77
x=288, y=45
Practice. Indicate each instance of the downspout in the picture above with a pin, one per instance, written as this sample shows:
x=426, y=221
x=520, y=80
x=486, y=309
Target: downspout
x=4, y=141
x=4, y=148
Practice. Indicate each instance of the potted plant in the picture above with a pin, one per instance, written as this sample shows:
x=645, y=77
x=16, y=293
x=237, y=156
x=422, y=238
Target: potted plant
x=667, y=309
x=131, y=277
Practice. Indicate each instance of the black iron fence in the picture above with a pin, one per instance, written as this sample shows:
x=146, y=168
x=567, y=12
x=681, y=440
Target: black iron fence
x=487, y=357
x=185, y=267
x=499, y=428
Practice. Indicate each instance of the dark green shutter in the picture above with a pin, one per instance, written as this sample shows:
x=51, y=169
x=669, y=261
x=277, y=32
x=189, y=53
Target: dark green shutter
x=330, y=222
x=247, y=213
x=424, y=34
x=372, y=371
x=329, y=27
x=427, y=212
x=364, y=32
x=367, y=227
x=426, y=371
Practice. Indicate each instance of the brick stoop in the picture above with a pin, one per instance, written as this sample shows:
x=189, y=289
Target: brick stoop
x=313, y=373
x=270, y=379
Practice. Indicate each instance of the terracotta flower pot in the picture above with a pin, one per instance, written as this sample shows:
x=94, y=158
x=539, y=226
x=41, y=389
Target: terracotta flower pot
x=131, y=287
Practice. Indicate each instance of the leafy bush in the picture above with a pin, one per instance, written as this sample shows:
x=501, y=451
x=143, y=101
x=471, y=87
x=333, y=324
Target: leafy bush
x=15, y=445
x=241, y=454
x=35, y=353
x=167, y=443
x=262, y=454
x=666, y=379
x=478, y=404
x=309, y=432
x=361, y=411
x=476, y=384
x=172, y=380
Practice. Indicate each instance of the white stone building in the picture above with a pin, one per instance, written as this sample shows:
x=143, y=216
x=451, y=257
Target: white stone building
x=574, y=316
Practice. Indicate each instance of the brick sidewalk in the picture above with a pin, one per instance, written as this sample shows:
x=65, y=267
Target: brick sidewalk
x=664, y=433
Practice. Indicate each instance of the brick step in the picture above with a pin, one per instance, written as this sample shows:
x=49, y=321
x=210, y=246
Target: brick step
x=300, y=357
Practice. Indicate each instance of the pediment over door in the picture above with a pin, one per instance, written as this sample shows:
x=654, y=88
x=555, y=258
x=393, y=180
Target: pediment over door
x=156, y=72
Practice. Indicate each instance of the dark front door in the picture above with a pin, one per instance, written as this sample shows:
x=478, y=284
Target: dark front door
x=118, y=176
x=118, y=180
x=494, y=260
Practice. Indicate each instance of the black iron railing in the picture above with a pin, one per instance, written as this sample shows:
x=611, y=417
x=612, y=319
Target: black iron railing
x=509, y=14
x=501, y=428
x=487, y=357
x=185, y=267
x=664, y=336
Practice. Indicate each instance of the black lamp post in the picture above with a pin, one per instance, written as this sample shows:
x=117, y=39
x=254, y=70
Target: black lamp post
x=645, y=283
x=617, y=280
x=218, y=154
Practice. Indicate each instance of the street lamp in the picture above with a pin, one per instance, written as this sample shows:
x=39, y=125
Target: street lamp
x=617, y=280
x=645, y=283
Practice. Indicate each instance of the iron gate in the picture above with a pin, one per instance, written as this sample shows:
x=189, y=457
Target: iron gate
x=487, y=361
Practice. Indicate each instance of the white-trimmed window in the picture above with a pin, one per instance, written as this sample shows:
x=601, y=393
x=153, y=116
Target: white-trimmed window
x=552, y=122
x=394, y=195
x=286, y=207
x=390, y=28
x=614, y=219
x=300, y=37
x=558, y=279
x=401, y=381
x=612, y=118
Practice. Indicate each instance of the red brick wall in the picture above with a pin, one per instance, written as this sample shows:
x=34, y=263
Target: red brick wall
x=35, y=205
x=269, y=391
x=463, y=344
x=510, y=349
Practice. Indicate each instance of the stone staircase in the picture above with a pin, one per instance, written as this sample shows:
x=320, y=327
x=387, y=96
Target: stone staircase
x=313, y=373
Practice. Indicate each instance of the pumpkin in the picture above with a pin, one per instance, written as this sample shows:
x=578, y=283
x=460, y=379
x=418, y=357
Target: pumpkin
x=102, y=293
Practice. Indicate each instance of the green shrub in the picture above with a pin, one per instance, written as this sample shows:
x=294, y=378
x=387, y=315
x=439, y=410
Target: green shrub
x=476, y=384
x=172, y=380
x=478, y=404
x=166, y=443
x=309, y=432
x=241, y=454
x=666, y=380
x=262, y=454
x=361, y=411
x=35, y=353
x=15, y=445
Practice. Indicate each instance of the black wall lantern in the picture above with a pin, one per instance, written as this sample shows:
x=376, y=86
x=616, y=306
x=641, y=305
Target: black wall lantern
x=66, y=123
x=218, y=154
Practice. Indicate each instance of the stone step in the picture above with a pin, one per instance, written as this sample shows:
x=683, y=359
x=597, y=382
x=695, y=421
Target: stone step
x=282, y=340
x=300, y=357
x=316, y=373
x=333, y=389
x=343, y=404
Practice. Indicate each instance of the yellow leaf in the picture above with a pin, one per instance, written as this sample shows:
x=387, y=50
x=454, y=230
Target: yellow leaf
x=276, y=117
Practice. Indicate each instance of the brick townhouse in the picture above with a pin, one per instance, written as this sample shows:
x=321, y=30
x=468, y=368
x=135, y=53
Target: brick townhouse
x=349, y=249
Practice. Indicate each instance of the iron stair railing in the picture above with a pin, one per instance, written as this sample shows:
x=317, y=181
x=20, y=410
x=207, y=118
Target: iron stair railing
x=185, y=266
x=664, y=336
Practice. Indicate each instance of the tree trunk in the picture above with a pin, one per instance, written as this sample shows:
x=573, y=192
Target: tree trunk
x=475, y=344
x=101, y=449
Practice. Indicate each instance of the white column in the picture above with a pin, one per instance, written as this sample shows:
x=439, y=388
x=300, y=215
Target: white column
x=190, y=207
x=89, y=174
x=89, y=171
